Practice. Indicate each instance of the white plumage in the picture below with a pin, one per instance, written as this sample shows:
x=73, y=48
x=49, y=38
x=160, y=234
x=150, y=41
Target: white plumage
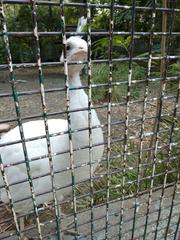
x=12, y=154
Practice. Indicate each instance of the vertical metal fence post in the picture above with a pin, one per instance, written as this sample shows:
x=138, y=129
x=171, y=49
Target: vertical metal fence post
x=158, y=120
x=144, y=110
x=90, y=115
x=45, y=119
x=2, y=170
x=127, y=115
x=178, y=170
x=158, y=214
x=19, y=120
x=110, y=51
x=176, y=234
x=171, y=130
x=162, y=69
x=66, y=78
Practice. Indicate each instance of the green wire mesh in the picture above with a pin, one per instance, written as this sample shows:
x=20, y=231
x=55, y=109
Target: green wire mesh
x=134, y=192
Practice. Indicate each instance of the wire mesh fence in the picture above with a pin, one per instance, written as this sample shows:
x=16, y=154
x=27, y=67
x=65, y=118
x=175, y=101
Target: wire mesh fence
x=95, y=154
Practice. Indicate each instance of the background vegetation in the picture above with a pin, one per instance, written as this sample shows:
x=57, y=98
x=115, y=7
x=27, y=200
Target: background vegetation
x=19, y=19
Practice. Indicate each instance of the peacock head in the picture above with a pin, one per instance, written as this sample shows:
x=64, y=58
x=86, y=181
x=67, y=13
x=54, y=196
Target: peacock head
x=76, y=50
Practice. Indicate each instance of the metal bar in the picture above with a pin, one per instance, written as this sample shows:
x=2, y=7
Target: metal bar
x=66, y=78
x=162, y=68
x=104, y=215
x=125, y=59
x=103, y=34
x=74, y=4
x=126, y=221
x=89, y=66
x=169, y=155
x=19, y=119
x=3, y=173
x=146, y=91
x=166, y=138
x=44, y=114
x=177, y=177
x=125, y=232
x=97, y=107
x=86, y=235
x=77, y=149
x=172, y=207
x=52, y=90
x=157, y=126
x=140, y=236
x=111, y=29
x=126, y=130
x=102, y=174
x=176, y=234
x=83, y=129
x=112, y=201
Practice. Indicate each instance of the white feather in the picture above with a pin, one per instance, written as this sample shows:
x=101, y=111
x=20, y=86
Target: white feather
x=13, y=154
x=81, y=23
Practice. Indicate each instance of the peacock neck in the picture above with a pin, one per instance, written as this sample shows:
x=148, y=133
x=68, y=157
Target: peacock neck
x=78, y=97
x=79, y=100
x=74, y=79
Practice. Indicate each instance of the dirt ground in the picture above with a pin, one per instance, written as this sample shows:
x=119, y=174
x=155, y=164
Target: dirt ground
x=30, y=105
x=27, y=84
x=99, y=220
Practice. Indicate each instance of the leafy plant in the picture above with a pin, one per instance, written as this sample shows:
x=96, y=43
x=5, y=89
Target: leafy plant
x=175, y=69
x=101, y=46
x=100, y=75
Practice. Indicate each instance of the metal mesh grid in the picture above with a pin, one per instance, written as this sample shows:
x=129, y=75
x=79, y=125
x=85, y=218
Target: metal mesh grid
x=114, y=204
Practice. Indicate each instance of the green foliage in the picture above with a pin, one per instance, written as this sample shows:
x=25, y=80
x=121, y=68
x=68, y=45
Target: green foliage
x=101, y=46
x=128, y=171
x=19, y=19
x=100, y=19
x=100, y=75
x=23, y=20
x=175, y=69
x=2, y=52
x=47, y=19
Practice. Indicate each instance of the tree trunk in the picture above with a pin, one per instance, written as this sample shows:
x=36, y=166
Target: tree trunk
x=162, y=70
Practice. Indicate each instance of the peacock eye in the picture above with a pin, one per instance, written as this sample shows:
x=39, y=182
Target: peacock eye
x=68, y=47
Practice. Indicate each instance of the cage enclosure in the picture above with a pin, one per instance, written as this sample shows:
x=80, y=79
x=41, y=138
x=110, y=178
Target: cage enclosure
x=89, y=119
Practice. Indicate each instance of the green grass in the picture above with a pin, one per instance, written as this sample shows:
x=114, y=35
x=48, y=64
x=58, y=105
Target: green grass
x=163, y=167
x=100, y=75
x=130, y=175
